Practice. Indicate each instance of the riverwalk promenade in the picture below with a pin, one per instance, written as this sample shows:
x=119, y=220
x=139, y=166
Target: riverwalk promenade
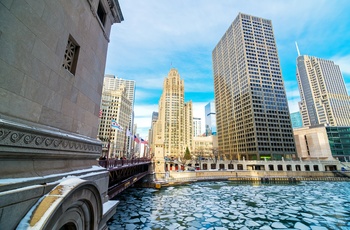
x=255, y=172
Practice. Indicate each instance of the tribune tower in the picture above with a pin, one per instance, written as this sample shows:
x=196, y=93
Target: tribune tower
x=173, y=131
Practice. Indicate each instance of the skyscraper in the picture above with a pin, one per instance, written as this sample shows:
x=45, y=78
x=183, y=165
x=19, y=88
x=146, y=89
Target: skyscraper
x=252, y=114
x=151, y=130
x=324, y=99
x=197, y=126
x=111, y=83
x=173, y=130
x=115, y=105
x=210, y=119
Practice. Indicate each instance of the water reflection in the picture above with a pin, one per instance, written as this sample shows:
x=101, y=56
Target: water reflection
x=226, y=205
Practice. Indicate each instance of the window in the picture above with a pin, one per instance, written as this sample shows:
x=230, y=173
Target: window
x=71, y=55
x=101, y=13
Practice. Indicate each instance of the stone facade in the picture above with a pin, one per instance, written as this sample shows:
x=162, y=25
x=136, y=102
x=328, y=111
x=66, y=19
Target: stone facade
x=34, y=84
x=312, y=143
x=52, y=60
x=115, y=104
x=204, y=146
x=173, y=130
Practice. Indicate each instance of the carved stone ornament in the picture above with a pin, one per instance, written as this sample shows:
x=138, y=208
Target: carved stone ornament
x=15, y=137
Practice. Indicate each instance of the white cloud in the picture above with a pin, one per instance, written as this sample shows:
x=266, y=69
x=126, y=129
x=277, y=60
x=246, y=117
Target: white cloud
x=343, y=62
x=143, y=118
x=199, y=112
x=143, y=125
x=292, y=93
x=157, y=35
x=145, y=110
x=143, y=122
x=142, y=95
x=293, y=105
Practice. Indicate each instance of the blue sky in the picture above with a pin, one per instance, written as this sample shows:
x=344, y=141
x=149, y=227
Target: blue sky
x=157, y=35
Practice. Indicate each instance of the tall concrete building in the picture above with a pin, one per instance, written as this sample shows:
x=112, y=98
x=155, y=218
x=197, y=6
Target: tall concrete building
x=112, y=82
x=197, y=126
x=115, y=105
x=251, y=106
x=210, y=119
x=173, y=130
x=324, y=98
x=151, y=130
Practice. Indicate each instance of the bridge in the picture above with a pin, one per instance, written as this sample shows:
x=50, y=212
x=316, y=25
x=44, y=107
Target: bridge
x=124, y=173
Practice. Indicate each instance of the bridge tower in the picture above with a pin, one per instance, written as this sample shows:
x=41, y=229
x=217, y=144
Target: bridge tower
x=52, y=60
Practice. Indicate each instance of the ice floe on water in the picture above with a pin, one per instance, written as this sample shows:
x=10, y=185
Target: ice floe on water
x=227, y=205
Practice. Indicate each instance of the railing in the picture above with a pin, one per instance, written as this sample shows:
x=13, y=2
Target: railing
x=118, y=188
x=113, y=163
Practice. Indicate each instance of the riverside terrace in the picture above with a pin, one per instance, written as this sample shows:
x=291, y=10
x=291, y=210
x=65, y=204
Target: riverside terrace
x=209, y=170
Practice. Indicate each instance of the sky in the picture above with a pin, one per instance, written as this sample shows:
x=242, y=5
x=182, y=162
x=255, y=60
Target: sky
x=157, y=35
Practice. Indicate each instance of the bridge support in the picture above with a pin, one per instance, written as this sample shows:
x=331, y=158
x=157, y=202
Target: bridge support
x=73, y=204
x=36, y=163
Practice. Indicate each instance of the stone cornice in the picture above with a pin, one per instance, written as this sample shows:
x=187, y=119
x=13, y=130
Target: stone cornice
x=25, y=141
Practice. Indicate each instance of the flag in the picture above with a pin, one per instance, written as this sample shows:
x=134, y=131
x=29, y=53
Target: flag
x=115, y=125
x=136, y=139
x=128, y=133
x=143, y=141
x=100, y=113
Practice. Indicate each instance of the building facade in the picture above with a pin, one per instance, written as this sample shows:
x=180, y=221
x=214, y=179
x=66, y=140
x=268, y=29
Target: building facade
x=323, y=142
x=339, y=142
x=252, y=113
x=324, y=98
x=210, y=119
x=296, y=120
x=197, y=126
x=173, y=130
x=150, y=131
x=112, y=82
x=52, y=61
x=312, y=143
x=204, y=147
x=115, y=105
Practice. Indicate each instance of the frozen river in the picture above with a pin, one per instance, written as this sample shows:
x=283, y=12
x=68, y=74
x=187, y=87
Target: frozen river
x=226, y=205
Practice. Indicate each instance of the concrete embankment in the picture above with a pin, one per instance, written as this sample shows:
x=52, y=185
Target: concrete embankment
x=261, y=177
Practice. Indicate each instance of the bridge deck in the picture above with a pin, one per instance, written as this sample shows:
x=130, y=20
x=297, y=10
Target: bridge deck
x=124, y=173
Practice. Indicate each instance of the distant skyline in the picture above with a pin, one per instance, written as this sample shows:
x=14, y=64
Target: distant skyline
x=158, y=35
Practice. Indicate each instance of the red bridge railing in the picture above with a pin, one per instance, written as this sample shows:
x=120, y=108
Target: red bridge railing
x=113, y=163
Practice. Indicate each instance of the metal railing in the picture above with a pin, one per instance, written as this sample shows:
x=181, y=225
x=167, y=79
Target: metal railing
x=115, y=163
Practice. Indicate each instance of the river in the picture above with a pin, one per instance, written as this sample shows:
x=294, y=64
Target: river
x=224, y=205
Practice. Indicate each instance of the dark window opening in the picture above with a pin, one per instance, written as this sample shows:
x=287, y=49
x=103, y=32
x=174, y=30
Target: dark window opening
x=71, y=55
x=101, y=13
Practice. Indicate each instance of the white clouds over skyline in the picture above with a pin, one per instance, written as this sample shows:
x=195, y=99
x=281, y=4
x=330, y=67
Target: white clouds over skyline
x=157, y=35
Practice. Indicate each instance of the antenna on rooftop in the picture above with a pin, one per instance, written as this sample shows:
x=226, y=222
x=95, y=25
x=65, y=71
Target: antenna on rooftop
x=296, y=44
